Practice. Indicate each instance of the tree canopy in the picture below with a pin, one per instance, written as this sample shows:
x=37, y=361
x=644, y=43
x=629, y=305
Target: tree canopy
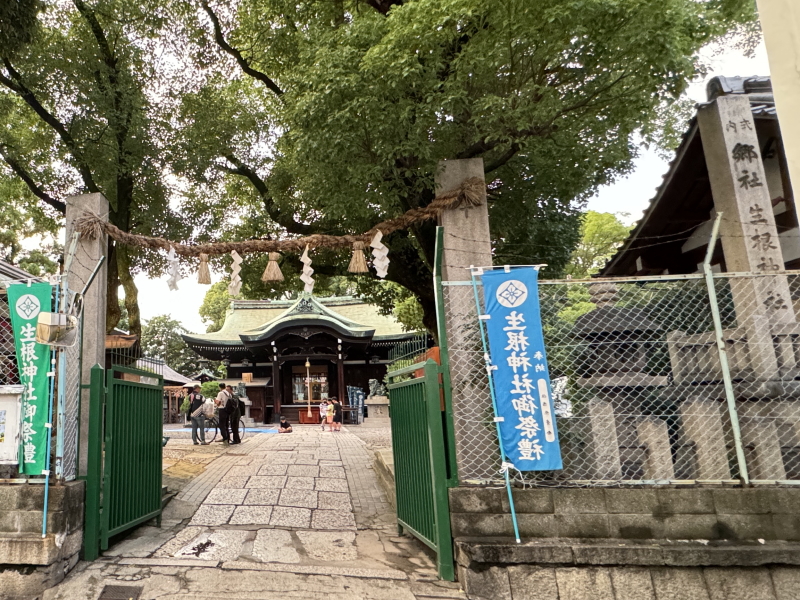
x=265, y=118
x=161, y=338
x=601, y=235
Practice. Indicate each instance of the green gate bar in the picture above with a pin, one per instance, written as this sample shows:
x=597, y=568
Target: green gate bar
x=94, y=468
x=420, y=461
x=132, y=469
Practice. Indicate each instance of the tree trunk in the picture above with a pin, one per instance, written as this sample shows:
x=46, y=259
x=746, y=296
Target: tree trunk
x=131, y=291
x=113, y=312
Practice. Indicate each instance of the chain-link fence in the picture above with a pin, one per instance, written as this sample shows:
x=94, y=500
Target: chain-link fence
x=69, y=404
x=641, y=390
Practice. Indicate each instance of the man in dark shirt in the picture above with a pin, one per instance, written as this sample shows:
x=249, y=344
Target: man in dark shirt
x=197, y=417
x=234, y=414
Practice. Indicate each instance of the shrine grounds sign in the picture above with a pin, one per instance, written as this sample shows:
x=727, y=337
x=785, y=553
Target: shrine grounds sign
x=33, y=359
x=521, y=378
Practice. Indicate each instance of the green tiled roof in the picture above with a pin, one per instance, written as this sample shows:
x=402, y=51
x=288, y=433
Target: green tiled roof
x=254, y=317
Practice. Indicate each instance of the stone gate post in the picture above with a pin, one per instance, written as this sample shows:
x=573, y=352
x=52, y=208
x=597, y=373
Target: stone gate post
x=87, y=254
x=467, y=242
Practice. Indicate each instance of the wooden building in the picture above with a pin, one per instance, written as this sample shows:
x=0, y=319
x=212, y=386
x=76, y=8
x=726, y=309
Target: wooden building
x=672, y=236
x=267, y=343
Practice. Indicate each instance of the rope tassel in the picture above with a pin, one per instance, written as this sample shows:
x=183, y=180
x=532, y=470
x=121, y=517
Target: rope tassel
x=273, y=270
x=358, y=264
x=203, y=273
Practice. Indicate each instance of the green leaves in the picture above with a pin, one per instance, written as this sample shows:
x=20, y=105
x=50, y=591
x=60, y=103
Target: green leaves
x=272, y=118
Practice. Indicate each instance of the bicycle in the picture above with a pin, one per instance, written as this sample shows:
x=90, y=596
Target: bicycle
x=212, y=429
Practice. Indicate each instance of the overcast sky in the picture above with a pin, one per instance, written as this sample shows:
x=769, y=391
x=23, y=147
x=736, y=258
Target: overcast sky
x=629, y=195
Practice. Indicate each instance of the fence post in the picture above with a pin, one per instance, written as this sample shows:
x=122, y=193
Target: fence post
x=441, y=502
x=723, y=354
x=444, y=357
x=94, y=472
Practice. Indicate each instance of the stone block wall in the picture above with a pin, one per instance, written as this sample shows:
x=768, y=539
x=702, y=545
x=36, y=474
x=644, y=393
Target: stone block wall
x=30, y=563
x=633, y=583
x=631, y=514
x=628, y=544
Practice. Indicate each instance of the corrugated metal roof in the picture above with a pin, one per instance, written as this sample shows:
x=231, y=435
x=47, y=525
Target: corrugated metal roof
x=163, y=369
x=9, y=272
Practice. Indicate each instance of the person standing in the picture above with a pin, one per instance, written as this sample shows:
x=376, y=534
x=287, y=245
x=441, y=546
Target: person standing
x=224, y=416
x=323, y=412
x=329, y=414
x=337, y=415
x=197, y=417
x=234, y=414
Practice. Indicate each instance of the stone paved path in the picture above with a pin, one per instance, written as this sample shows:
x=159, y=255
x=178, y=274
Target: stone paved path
x=280, y=516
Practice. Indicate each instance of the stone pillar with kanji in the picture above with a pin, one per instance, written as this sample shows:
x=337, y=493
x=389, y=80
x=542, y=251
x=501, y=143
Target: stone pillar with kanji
x=748, y=232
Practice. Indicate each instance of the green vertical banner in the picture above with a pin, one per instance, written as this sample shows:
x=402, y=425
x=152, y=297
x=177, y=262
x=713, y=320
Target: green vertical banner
x=33, y=361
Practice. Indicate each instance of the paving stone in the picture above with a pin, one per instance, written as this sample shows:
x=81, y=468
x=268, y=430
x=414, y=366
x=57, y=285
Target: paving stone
x=275, y=545
x=215, y=545
x=168, y=562
x=251, y=515
x=303, y=471
x=262, y=497
x=243, y=471
x=331, y=485
x=212, y=514
x=330, y=463
x=288, y=516
x=233, y=482
x=333, y=519
x=300, y=483
x=272, y=470
x=333, y=546
x=310, y=461
x=332, y=472
x=334, y=501
x=270, y=481
x=225, y=496
x=280, y=459
x=180, y=539
x=301, y=498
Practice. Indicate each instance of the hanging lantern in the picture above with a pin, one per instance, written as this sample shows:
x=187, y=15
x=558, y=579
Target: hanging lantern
x=358, y=264
x=203, y=273
x=173, y=269
x=273, y=270
x=307, y=272
x=236, y=281
x=380, y=258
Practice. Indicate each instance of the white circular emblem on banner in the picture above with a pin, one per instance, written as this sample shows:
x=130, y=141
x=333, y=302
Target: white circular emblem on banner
x=28, y=306
x=512, y=293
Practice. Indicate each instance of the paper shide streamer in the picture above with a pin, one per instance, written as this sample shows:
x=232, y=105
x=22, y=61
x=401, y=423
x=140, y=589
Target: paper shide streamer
x=307, y=272
x=173, y=269
x=236, y=281
x=380, y=255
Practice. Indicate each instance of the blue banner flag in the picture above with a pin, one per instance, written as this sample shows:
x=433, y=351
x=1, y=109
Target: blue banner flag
x=521, y=379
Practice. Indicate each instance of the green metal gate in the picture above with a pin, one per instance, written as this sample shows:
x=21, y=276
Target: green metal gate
x=123, y=487
x=421, y=461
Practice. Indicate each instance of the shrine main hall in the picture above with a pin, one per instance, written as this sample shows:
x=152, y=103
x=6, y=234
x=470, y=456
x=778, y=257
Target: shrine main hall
x=267, y=343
